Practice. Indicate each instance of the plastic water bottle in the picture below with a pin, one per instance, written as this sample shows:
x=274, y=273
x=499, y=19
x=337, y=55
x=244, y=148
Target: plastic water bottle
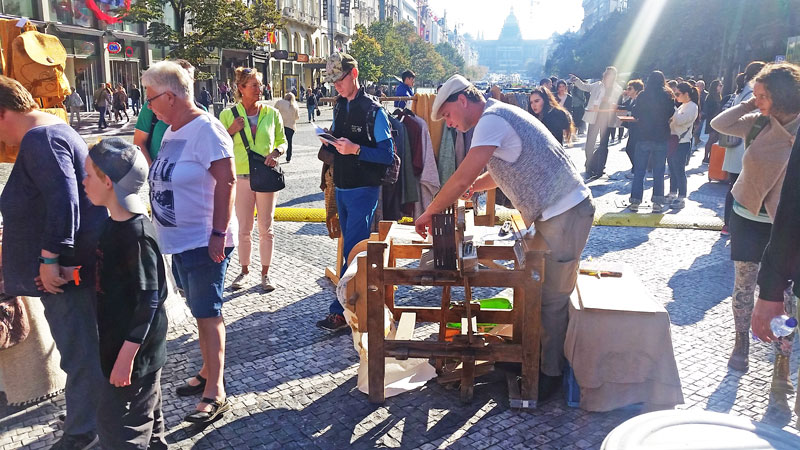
x=782, y=325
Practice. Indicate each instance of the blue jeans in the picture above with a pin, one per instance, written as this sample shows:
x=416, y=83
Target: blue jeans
x=101, y=123
x=677, y=169
x=203, y=280
x=641, y=157
x=311, y=113
x=71, y=316
x=356, y=210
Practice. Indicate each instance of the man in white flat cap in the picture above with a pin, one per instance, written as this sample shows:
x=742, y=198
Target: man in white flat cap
x=532, y=169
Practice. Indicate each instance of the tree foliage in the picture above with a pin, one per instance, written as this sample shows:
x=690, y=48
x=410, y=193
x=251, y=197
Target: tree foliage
x=387, y=49
x=711, y=38
x=205, y=25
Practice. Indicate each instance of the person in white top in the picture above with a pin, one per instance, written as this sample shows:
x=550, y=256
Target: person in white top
x=290, y=113
x=191, y=193
x=681, y=125
x=600, y=111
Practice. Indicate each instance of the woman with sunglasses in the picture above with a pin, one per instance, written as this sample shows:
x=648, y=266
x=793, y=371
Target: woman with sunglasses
x=263, y=128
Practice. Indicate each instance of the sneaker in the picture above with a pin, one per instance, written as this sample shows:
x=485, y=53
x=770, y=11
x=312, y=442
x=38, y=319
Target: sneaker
x=678, y=203
x=240, y=281
x=76, y=441
x=634, y=206
x=333, y=323
x=671, y=197
x=724, y=231
x=658, y=207
x=266, y=284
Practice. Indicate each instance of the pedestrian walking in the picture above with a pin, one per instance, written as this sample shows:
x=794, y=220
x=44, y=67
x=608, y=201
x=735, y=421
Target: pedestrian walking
x=311, y=105
x=711, y=107
x=136, y=97
x=290, y=113
x=544, y=107
x=120, y=101
x=102, y=100
x=74, y=103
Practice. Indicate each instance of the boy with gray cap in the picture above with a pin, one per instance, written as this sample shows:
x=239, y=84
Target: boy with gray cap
x=131, y=289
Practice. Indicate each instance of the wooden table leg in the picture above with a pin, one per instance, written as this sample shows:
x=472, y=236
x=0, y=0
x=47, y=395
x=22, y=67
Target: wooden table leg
x=467, y=378
x=443, y=324
x=376, y=368
x=531, y=345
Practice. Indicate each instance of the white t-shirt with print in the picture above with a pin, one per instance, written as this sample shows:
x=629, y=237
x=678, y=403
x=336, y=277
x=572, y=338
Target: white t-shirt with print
x=182, y=188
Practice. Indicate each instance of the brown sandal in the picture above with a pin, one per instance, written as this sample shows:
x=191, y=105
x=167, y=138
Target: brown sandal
x=218, y=407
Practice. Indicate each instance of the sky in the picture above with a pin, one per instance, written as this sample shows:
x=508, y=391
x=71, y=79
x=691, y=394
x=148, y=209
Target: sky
x=549, y=16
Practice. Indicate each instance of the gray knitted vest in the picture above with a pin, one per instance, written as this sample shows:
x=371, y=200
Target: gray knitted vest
x=542, y=174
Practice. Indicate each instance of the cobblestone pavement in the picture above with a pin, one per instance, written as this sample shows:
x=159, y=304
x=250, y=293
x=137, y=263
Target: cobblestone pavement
x=294, y=386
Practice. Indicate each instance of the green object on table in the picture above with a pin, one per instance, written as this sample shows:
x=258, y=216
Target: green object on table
x=487, y=303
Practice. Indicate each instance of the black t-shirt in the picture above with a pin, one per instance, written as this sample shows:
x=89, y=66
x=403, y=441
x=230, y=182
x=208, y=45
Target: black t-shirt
x=129, y=267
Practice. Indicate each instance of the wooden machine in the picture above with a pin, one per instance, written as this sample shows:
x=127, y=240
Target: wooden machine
x=455, y=263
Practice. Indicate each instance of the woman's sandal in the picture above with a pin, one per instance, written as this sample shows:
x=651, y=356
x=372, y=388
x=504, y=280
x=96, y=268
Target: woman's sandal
x=218, y=407
x=188, y=389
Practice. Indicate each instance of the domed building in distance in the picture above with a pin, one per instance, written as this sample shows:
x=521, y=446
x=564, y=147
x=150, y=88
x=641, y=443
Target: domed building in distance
x=510, y=53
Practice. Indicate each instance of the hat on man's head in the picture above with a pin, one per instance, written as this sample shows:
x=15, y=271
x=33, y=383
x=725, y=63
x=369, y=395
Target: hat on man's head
x=125, y=164
x=453, y=85
x=338, y=66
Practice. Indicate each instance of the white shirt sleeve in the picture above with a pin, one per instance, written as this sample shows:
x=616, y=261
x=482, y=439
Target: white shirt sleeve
x=494, y=131
x=213, y=143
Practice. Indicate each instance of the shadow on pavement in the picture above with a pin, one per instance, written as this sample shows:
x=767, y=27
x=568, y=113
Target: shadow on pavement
x=304, y=199
x=724, y=396
x=706, y=283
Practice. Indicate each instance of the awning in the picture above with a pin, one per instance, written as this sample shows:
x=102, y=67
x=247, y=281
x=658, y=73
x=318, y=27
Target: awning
x=315, y=66
x=129, y=36
x=74, y=29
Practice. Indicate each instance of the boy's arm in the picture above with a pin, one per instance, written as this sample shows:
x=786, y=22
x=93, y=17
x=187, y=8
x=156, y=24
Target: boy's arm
x=140, y=324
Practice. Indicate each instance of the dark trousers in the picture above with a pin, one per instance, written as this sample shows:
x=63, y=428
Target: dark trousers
x=630, y=149
x=597, y=164
x=729, y=198
x=130, y=417
x=135, y=106
x=101, y=123
x=289, y=134
x=71, y=317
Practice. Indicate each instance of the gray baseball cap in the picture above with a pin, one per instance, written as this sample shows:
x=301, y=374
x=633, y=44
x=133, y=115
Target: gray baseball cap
x=125, y=164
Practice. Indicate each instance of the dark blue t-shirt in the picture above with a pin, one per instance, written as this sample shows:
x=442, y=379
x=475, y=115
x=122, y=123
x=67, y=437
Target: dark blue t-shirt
x=44, y=206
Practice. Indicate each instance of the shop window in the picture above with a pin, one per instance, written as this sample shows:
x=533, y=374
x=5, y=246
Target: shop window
x=23, y=8
x=70, y=12
x=85, y=48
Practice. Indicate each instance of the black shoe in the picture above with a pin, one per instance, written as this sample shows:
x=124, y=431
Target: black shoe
x=188, y=390
x=218, y=407
x=76, y=441
x=548, y=386
x=333, y=323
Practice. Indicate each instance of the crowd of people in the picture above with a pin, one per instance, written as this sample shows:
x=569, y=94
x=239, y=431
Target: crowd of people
x=80, y=208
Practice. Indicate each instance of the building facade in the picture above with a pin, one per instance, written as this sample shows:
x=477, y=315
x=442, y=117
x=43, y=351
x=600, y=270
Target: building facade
x=596, y=11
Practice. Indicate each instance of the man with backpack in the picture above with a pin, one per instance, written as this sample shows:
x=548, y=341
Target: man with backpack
x=361, y=154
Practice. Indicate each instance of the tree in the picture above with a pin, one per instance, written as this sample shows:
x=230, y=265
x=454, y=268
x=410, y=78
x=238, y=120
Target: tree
x=367, y=51
x=453, y=61
x=205, y=25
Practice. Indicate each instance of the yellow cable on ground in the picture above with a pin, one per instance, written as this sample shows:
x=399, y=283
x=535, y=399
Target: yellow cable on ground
x=612, y=219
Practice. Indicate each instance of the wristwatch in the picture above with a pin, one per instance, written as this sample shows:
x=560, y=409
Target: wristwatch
x=45, y=260
x=217, y=233
x=358, y=152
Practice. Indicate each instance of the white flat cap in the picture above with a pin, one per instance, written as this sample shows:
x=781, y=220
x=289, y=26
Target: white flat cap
x=454, y=84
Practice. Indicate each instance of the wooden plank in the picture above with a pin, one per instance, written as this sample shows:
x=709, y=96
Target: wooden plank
x=335, y=273
x=409, y=251
x=481, y=369
x=429, y=349
x=434, y=314
x=376, y=252
x=443, y=313
x=426, y=277
x=405, y=328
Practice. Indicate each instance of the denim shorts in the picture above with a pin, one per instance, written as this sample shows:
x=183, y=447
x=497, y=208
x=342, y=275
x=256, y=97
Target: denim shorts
x=203, y=280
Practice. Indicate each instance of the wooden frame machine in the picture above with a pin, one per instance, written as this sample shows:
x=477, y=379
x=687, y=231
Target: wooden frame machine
x=456, y=264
